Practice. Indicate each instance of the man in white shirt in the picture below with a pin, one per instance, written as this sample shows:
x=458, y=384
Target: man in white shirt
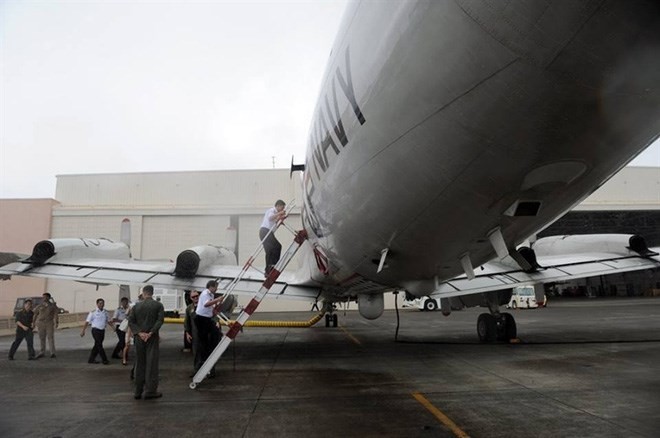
x=98, y=319
x=207, y=330
x=272, y=246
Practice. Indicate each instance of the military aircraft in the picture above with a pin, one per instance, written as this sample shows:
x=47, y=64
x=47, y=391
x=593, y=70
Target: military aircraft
x=445, y=136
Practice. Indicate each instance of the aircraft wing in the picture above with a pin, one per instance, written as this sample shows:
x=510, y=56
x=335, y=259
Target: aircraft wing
x=160, y=274
x=9, y=257
x=560, y=258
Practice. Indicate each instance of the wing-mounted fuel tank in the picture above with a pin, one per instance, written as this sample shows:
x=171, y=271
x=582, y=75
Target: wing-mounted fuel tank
x=196, y=259
x=61, y=250
x=371, y=306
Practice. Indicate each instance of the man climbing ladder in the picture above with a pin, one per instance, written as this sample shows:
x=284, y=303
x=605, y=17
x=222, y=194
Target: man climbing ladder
x=245, y=314
x=272, y=246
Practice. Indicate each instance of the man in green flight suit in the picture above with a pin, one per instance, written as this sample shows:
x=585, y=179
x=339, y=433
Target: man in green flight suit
x=145, y=319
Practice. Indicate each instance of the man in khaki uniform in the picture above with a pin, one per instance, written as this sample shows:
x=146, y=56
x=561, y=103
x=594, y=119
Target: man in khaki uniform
x=46, y=321
x=145, y=320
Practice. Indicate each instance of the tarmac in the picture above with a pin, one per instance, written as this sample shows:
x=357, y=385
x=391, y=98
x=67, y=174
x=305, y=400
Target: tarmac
x=582, y=368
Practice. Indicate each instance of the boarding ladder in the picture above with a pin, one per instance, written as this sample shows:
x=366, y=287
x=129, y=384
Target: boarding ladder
x=271, y=277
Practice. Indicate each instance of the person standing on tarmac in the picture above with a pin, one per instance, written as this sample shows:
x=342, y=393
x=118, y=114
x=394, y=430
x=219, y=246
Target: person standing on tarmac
x=24, y=321
x=272, y=246
x=98, y=319
x=145, y=320
x=190, y=330
x=46, y=321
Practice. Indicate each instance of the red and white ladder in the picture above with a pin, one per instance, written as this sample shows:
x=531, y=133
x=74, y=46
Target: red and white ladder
x=271, y=277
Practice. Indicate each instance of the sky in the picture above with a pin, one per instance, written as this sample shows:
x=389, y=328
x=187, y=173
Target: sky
x=143, y=86
x=106, y=86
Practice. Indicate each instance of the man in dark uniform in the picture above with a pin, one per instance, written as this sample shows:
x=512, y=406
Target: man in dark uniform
x=24, y=322
x=190, y=329
x=145, y=319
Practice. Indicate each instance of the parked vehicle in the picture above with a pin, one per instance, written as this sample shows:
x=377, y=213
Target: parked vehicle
x=523, y=297
x=424, y=303
x=173, y=301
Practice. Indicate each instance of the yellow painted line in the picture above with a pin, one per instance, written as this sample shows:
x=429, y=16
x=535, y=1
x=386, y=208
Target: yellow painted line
x=353, y=338
x=437, y=413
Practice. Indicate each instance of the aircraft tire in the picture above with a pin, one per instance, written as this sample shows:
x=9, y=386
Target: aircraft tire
x=334, y=320
x=486, y=328
x=508, y=329
x=430, y=305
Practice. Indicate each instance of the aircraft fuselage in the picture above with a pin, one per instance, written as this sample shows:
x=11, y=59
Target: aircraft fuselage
x=439, y=122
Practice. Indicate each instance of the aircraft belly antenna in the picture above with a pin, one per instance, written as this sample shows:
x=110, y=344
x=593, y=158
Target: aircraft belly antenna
x=383, y=256
x=497, y=240
x=466, y=263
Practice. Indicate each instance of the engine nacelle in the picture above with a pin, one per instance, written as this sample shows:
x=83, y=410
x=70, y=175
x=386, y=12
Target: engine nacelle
x=196, y=259
x=371, y=306
x=53, y=250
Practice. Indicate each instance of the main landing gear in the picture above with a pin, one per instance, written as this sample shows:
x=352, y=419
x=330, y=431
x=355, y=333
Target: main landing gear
x=499, y=327
x=496, y=326
x=331, y=318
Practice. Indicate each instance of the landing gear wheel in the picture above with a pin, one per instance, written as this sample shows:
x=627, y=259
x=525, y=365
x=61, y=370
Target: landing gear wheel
x=506, y=328
x=334, y=320
x=327, y=319
x=486, y=327
x=430, y=305
x=514, y=305
x=192, y=385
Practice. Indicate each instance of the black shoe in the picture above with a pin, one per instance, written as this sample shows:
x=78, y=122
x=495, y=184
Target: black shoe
x=105, y=362
x=11, y=357
x=52, y=356
x=29, y=358
x=93, y=361
x=114, y=356
x=137, y=396
x=153, y=395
